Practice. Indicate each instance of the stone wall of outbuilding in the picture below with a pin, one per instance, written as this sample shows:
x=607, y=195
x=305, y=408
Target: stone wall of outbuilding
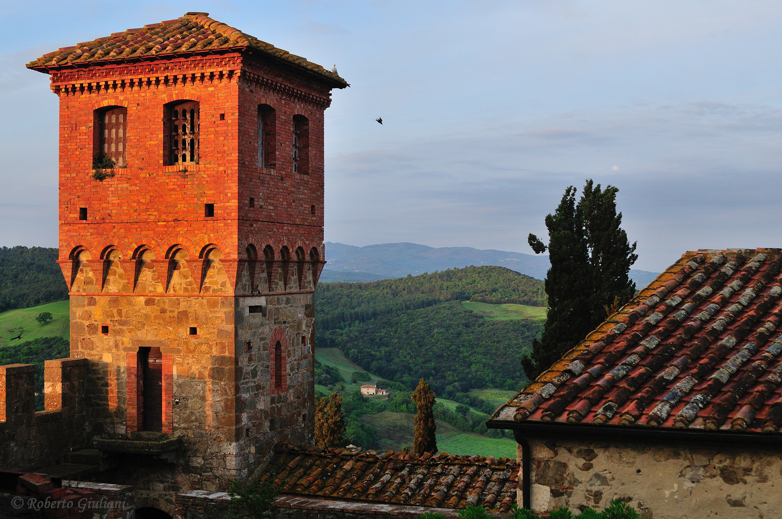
x=673, y=480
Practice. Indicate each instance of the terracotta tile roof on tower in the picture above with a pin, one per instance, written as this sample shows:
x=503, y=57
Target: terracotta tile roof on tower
x=699, y=348
x=441, y=481
x=192, y=33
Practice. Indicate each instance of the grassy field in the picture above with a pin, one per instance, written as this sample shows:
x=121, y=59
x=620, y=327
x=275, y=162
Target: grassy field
x=396, y=432
x=451, y=406
x=506, y=312
x=468, y=444
x=334, y=357
x=23, y=320
x=496, y=397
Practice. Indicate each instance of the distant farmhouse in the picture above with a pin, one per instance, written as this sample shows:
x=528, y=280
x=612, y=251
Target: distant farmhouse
x=369, y=390
x=191, y=240
x=674, y=404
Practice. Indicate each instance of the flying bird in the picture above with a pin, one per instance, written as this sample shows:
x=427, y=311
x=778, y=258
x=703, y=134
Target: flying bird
x=380, y=120
x=18, y=337
x=334, y=70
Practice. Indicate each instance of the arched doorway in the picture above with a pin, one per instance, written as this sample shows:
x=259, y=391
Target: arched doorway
x=151, y=513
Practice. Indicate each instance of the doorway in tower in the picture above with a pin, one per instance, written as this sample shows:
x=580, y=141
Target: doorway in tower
x=150, y=389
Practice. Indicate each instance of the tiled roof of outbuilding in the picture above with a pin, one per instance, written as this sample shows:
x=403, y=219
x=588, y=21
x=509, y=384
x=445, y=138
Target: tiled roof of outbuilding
x=192, y=33
x=441, y=481
x=699, y=348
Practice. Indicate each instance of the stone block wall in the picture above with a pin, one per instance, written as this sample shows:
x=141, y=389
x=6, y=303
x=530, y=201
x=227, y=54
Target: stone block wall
x=30, y=439
x=661, y=480
x=268, y=413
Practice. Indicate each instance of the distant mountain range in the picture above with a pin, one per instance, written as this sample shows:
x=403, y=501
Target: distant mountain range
x=394, y=260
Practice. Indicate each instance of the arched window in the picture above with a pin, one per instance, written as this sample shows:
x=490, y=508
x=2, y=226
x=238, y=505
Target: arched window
x=301, y=145
x=109, y=147
x=267, y=137
x=278, y=345
x=182, y=129
x=278, y=365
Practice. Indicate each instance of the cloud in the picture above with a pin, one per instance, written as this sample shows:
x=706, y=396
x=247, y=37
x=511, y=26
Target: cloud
x=699, y=171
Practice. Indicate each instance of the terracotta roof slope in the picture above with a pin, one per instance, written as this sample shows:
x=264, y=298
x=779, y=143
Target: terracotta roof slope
x=699, y=348
x=190, y=34
x=441, y=481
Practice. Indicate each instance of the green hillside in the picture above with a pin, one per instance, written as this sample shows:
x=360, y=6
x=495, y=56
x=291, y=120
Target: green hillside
x=495, y=397
x=453, y=348
x=23, y=321
x=30, y=276
x=341, y=304
x=461, y=329
x=506, y=312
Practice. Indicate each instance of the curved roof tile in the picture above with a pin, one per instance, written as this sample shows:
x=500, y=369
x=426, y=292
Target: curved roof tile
x=441, y=480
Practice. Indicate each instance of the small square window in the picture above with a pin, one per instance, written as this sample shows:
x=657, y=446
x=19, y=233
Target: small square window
x=209, y=210
x=193, y=330
x=82, y=213
x=257, y=309
x=312, y=209
x=252, y=202
x=248, y=346
x=303, y=340
x=104, y=329
x=222, y=117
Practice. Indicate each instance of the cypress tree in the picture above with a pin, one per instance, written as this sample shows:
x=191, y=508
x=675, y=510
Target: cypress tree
x=425, y=427
x=590, y=260
x=329, y=422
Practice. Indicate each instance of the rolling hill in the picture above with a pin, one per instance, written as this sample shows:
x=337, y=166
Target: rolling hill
x=393, y=260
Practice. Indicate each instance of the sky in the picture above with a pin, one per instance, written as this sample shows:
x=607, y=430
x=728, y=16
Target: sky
x=490, y=108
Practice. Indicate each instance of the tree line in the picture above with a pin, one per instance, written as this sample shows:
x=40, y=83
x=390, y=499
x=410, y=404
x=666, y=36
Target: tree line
x=342, y=304
x=453, y=348
x=30, y=276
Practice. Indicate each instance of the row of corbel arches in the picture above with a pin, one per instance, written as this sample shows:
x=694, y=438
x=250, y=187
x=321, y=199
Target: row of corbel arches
x=269, y=267
x=143, y=257
x=266, y=270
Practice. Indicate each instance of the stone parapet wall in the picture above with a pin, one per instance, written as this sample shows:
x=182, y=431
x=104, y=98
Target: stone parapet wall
x=29, y=439
x=672, y=480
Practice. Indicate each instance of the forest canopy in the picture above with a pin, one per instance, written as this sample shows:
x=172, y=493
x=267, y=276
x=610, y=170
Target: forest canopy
x=30, y=276
x=410, y=328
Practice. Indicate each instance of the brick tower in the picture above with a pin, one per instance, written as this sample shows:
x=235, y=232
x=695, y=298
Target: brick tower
x=191, y=237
